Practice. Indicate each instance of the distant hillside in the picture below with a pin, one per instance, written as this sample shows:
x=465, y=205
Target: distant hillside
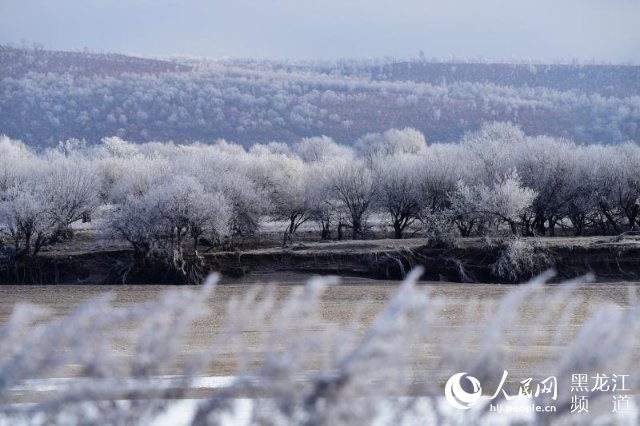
x=607, y=80
x=16, y=63
x=47, y=96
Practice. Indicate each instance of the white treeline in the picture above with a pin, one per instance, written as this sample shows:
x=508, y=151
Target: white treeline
x=168, y=197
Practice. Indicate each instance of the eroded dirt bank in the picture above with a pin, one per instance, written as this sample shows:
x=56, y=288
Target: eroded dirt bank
x=471, y=259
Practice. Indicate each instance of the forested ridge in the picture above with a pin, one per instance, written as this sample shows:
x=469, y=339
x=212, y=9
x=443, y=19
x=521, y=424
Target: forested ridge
x=46, y=97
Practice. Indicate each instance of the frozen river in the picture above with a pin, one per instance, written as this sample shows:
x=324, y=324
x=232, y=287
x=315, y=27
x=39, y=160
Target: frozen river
x=465, y=310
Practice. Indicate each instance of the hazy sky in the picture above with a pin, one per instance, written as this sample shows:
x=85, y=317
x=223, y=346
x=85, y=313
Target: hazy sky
x=607, y=30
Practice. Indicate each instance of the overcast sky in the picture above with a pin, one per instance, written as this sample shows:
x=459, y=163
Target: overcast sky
x=604, y=30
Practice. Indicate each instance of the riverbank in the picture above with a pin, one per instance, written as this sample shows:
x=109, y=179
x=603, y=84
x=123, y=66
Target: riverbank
x=468, y=260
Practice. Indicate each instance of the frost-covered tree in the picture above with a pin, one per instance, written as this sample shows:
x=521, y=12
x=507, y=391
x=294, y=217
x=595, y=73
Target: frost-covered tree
x=250, y=199
x=325, y=208
x=26, y=216
x=188, y=211
x=465, y=201
x=503, y=202
x=71, y=189
x=136, y=221
x=17, y=163
x=286, y=180
x=354, y=188
x=169, y=221
x=321, y=149
x=581, y=208
x=116, y=147
x=618, y=186
x=493, y=148
x=389, y=143
x=546, y=165
x=40, y=202
x=399, y=190
x=292, y=200
x=508, y=199
x=438, y=174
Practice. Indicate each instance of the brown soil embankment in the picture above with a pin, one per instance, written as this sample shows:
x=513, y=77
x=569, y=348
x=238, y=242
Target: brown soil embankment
x=469, y=260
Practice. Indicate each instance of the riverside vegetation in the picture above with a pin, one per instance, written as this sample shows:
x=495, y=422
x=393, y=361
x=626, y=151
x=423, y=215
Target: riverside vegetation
x=172, y=202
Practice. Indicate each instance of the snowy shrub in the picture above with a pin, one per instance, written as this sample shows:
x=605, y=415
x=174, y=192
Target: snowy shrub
x=519, y=260
x=439, y=230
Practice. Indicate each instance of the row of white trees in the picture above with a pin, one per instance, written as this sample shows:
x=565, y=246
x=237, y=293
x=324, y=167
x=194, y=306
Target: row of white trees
x=172, y=198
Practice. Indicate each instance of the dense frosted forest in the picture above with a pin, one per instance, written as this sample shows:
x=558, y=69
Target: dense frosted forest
x=49, y=96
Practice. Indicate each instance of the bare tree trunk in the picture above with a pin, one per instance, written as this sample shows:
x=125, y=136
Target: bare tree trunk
x=397, y=230
x=612, y=222
x=325, y=231
x=355, y=229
